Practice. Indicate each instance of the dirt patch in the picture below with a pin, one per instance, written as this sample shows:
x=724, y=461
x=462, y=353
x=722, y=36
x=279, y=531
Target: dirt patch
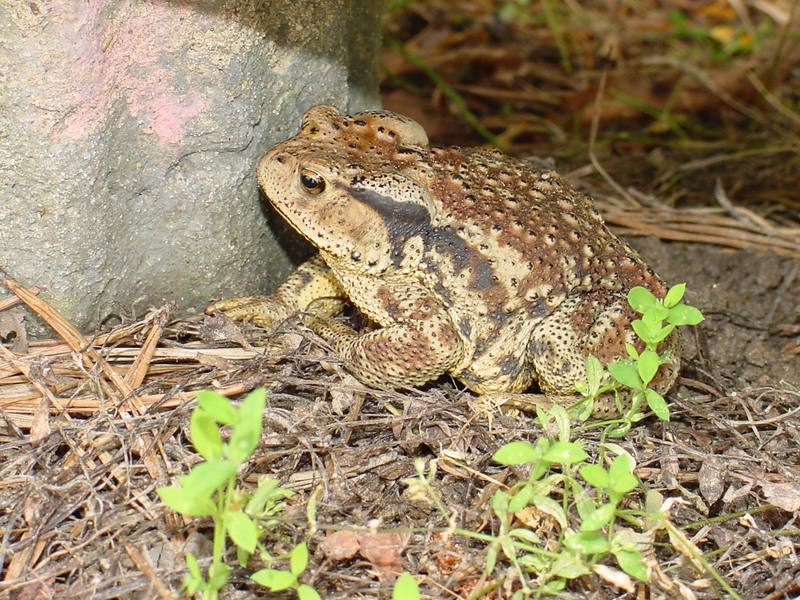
x=750, y=300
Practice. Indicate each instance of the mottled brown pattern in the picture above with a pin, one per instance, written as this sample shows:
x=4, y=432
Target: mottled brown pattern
x=473, y=263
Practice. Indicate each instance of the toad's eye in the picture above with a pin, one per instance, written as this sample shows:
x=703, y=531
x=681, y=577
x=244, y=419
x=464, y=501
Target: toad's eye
x=313, y=182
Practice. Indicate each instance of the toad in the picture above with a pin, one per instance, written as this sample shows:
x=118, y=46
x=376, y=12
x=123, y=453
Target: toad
x=469, y=262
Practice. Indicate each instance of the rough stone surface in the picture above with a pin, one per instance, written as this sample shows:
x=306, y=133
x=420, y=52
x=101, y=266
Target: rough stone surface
x=129, y=134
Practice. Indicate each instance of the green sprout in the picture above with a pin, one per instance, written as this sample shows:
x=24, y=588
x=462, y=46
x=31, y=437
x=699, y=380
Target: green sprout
x=210, y=490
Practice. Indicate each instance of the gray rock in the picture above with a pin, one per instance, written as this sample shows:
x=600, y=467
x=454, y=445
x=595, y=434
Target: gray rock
x=129, y=133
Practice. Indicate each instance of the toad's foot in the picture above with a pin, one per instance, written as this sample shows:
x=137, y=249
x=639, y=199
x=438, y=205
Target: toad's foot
x=264, y=311
x=311, y=287
x=267, y=311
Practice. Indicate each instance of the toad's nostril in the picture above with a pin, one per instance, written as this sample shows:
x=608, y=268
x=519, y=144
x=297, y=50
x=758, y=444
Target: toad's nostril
x=279, y=158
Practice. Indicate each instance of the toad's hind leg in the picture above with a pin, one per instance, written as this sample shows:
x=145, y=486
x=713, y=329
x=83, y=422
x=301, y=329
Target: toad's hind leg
x=420, y=346
x=598, y=325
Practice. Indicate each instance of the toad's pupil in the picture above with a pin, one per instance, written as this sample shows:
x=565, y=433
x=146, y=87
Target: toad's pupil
x=312, y=182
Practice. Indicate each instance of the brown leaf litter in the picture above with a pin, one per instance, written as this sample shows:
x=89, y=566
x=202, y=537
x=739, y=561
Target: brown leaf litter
x=93, y=425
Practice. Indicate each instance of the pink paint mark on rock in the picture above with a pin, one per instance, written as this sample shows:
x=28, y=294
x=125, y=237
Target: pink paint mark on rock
x=166, y=115
x=170, y=113
x=122, y=60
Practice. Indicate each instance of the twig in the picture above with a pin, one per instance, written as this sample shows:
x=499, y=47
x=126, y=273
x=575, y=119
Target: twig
x=135, y=376
x=774, y=102
x=146, y=568
x=14, y=300
x=593, y=138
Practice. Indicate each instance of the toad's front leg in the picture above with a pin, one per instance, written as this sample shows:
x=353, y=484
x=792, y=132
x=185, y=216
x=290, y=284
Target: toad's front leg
x=409, y=352
x=312, y=286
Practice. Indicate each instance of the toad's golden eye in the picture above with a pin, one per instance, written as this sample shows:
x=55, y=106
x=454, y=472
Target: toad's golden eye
x=313, y=182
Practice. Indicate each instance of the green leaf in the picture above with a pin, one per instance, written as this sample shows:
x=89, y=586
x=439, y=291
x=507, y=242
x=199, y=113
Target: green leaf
x=549, y=506
x=653, y=319
x=267, y=494
x=587, y=542
x=298, y=559
x=191, y=585
x=647, y=365
x=218, y=574
x=663, y=333
x=584, y=409
x=583, y=502
x=569, y=566
x=602, y=516
x=243, y=556
x=508, y=547
x=657, y=404
x=625, y=372
x=632, y=563
x=565, y=453
x=182, y=501
x=500, y=503
x=674, y=295
x=205, y=478
x=621, y=478
x=554, y=586
x=517, y=452
x=533, y=563
x=683, y=314
x=241, y=528
x=655, y=314
x=194, y=568
x=205, y=435
x=594, y=375
x=595, y=475
x=642, y=330
x=247, y=429
x=525, y=535
x=306, y=592
x=561, y=418
x=520, y=499
x=274, y=579
x=491, y=558
x=631, y=350
x=641, y=299
x=217, y=406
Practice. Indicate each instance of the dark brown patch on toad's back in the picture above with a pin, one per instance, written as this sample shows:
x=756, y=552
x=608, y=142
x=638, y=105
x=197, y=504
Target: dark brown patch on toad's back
x=538, y=216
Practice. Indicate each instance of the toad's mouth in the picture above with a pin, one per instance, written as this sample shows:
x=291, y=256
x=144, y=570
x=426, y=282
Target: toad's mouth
x=280, y=210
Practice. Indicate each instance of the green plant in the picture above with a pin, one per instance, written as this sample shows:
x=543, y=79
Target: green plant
x=209, y=490
x=633, y=375
x=405, y=588
x=585, y=540
x=588, y=511
x=277, y=580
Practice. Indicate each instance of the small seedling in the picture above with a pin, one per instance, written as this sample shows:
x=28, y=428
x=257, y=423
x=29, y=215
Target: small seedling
x=277, y=580
x=583, y=541
x=405, y=588
x=634, y=374
x=209, y=490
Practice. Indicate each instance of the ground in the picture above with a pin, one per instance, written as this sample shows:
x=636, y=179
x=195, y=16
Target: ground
x=698, y=169
x=734, y=430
